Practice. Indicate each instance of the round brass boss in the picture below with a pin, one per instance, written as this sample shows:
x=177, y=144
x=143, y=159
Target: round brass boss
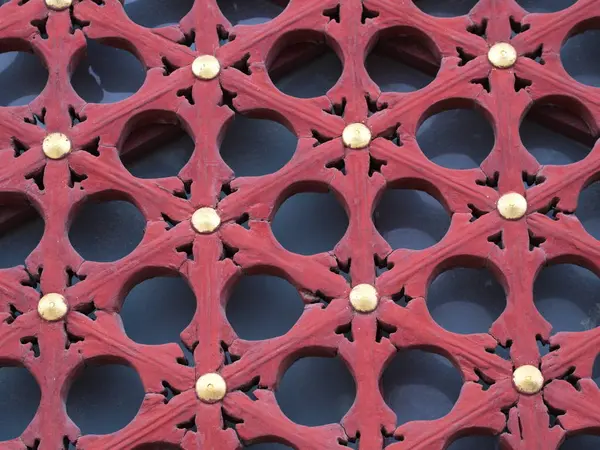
x=528, y=379
x=502, y=55
x=512, y=206
x=364, y=298
x=52, y=307
x=356, y=135
x=205, y=220
x=206, y=67
x=59, y=4
x=211, y=387
x=56, y=146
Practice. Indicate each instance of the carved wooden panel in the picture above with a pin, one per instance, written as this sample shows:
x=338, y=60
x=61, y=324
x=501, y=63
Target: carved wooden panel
x=194, y=220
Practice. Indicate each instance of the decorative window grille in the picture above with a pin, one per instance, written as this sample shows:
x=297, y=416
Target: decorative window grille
x=363, y=300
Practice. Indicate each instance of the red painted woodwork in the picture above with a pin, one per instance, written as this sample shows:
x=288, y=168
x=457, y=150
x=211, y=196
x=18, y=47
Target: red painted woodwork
x=351, y=28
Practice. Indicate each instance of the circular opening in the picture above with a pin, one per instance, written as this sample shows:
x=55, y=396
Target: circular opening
x=24, y=73
x=19, y=400
x=311, y=403
x=392, y=66
x=106, y=231
x=456, y=138
x=251, y=12
x=312, y=72
x=579, y=57
x=418, y=385
x=463, y=292
x=596, y=370
x=545, y=6
x=263, y=307
x=96, y=79
x=253, y=147
x=423, y=223
x=476, y=443
x=588, y=209
x=443, y=8
x=549, y=140
x=157, y=149
x=581, y=442
x=566, y=295
x=157, y=310
x=157, y=13
x=310, y=222
x=104, y=398
x=21, y=229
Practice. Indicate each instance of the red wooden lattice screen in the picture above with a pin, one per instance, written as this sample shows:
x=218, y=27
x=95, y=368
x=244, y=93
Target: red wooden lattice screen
x=218, y=259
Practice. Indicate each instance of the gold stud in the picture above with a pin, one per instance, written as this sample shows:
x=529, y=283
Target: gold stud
x=59, y=5
x=52, y=307
x=205, y=220
x=528, y=379
x=56, y=146
x=211, y=387
x=512, y=206
x=206, y=67
x=364, y=298
x=356, y=135
x=502, y=55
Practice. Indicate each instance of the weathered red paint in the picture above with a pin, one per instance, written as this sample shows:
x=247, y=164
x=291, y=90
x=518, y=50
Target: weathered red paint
x=211, y=271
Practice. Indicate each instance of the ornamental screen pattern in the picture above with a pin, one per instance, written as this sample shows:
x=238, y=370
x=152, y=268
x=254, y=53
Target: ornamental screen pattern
x=355, y=141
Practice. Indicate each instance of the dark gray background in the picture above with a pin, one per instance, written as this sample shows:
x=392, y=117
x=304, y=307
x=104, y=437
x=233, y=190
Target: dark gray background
x=417, y=385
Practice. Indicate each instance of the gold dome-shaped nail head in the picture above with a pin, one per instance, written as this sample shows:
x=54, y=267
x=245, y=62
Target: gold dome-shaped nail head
x=211, y=388
x=56, y=145
x=512, y=206
x=356, y=135
x=206, y=67
x=528, y=379
x=52, y=307
x=205, y=220
x=59, y=5
x=502, y=55
x=364, y=298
